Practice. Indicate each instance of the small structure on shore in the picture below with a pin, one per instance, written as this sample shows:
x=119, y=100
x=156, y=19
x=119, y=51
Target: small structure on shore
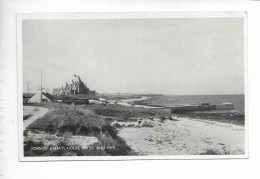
x=39, y=97
x=27, y=96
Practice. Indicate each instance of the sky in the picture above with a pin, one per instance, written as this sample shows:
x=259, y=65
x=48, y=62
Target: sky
x=180, y=56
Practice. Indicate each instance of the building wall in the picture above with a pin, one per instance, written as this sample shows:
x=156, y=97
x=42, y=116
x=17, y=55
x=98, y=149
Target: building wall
x=57, y=91
x=76, y=87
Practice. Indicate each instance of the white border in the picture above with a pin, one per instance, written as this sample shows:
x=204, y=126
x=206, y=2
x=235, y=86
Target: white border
x=124, y=15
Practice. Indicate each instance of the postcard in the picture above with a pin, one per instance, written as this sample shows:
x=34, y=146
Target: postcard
x=122, y=86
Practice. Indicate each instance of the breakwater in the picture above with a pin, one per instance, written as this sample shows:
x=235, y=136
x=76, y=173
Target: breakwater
x=201, y=107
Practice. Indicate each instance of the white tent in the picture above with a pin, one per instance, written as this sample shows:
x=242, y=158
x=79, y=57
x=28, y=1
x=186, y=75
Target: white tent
x=37, y=98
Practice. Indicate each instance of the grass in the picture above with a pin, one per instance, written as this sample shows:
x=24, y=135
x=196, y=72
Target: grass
x=128, y=112
x=211, y=151
x=68, y=119
x=26, y=116
x=61, y=148
x=90, y=120
x=77, y=120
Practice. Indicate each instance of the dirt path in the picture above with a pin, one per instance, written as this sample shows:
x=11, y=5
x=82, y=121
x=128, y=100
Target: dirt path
x=35, y=112
x=185, y=137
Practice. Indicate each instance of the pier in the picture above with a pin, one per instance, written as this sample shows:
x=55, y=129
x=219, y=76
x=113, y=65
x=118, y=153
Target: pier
x=201, y=107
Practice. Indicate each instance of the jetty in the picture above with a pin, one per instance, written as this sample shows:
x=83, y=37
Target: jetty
x=201, y=107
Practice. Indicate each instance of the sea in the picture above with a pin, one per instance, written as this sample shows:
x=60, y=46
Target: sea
x=238, y=100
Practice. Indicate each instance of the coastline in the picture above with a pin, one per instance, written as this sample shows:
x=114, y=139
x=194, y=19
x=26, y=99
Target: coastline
x=185, y=136
x=135, y=130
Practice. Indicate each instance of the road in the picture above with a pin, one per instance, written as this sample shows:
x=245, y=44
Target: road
x=36, y=113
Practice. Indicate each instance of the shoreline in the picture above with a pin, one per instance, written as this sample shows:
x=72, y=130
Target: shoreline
x=224, y=116
x=139, y=130
x=185, y=137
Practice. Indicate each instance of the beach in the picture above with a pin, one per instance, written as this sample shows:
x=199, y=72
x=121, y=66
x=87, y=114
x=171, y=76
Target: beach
x=185, y=137
x=136, y=129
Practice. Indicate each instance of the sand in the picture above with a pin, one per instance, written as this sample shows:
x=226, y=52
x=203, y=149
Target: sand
x=185, y=137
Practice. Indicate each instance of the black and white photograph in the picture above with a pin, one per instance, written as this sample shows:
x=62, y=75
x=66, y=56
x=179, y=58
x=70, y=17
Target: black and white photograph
x=108, y=86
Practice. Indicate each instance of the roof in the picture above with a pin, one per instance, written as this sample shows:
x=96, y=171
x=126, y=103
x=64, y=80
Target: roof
x=37, y=97
x=49, y=96
x=28, y=95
